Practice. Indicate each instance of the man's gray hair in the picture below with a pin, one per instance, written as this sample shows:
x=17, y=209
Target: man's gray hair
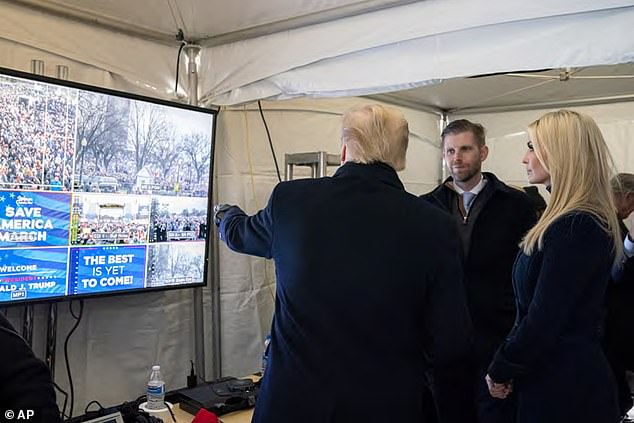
x=623, y=183
x=376, y=133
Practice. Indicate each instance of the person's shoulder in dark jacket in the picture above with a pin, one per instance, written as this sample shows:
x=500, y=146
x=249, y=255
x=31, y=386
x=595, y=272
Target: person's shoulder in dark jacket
x=25, y=381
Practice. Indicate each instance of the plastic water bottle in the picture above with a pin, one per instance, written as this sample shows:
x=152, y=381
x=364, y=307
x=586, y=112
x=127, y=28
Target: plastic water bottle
x=265, y=354
x=155, y=390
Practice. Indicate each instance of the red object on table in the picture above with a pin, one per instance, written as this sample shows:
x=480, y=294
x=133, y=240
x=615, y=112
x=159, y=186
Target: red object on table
x=204, y=416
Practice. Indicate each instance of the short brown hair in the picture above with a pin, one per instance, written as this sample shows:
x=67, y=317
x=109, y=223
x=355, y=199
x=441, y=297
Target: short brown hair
x=463, y=125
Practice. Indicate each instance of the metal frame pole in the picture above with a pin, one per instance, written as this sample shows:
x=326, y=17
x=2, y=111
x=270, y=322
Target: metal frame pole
x=192, y=52
x=322, y=164
x=51, y=324
x=37, y=68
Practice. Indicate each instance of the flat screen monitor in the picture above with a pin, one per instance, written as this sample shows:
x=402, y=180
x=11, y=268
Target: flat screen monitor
x=101, y=192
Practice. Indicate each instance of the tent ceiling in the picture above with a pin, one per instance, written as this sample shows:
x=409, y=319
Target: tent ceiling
x=554, y=87
x=333, y=48
x=209, y=22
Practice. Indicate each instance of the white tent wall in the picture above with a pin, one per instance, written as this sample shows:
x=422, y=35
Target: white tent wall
x=507, y=136
x=246, y=176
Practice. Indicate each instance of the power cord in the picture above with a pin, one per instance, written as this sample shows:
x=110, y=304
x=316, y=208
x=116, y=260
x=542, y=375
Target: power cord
x=70, y=333
x=268, y=134
x=180, y=36
x=170, y=410
x=101, y=407
x=63, y=411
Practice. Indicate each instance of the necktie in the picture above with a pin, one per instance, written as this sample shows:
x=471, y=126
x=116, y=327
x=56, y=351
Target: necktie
x=467, y=199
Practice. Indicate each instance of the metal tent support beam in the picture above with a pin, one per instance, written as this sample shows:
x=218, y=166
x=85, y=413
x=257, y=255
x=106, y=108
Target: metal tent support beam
x=213, y=272
x=37, y=68
x=192, y=52
x=51, y=326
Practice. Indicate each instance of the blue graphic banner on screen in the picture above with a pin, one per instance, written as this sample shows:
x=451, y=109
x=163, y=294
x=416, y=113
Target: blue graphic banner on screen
x=33, y=273
x=34, y=218
x=104, y=269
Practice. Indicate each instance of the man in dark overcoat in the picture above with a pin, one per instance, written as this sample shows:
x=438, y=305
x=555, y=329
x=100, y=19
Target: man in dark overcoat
x=370, y=298
x=492, y=218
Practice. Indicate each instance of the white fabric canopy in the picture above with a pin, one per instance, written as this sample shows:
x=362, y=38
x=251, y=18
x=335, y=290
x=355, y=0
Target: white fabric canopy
x=385, y=50
x=419, y=44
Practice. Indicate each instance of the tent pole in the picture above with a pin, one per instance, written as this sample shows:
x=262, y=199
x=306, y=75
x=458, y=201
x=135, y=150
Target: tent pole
x=37, y=68
x=192, y=52
x=213, y=274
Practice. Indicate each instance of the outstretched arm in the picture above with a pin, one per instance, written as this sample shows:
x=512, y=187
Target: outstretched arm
x=247, y=234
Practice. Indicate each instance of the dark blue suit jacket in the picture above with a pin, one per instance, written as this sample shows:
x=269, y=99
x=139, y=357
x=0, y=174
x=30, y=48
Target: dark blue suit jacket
x=369, y=291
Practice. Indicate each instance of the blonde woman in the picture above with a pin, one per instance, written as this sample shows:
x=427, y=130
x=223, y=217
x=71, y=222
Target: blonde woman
x=552, y=357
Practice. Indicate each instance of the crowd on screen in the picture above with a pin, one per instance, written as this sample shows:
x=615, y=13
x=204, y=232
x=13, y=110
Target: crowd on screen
x=97, y=231
x=163, y=225
x=36, y=137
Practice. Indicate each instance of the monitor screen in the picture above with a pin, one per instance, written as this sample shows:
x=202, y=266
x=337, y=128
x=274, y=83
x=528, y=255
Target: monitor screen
x=100, y=192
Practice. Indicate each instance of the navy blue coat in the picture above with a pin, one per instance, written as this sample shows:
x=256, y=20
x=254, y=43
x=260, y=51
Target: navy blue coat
x=553, y=353
x=369, y=289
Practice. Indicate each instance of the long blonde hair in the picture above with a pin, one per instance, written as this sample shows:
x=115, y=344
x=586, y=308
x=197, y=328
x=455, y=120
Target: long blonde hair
x=572, y=150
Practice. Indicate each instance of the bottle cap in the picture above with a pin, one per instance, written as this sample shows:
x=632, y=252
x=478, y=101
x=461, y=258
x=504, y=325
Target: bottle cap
x=156, y=367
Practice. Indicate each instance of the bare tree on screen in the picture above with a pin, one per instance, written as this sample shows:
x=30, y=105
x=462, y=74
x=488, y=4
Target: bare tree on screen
x=101, y=127
x=196, y=267
x=197, y=149
x=166, y=158
x=176, y=262
x=148, y=132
